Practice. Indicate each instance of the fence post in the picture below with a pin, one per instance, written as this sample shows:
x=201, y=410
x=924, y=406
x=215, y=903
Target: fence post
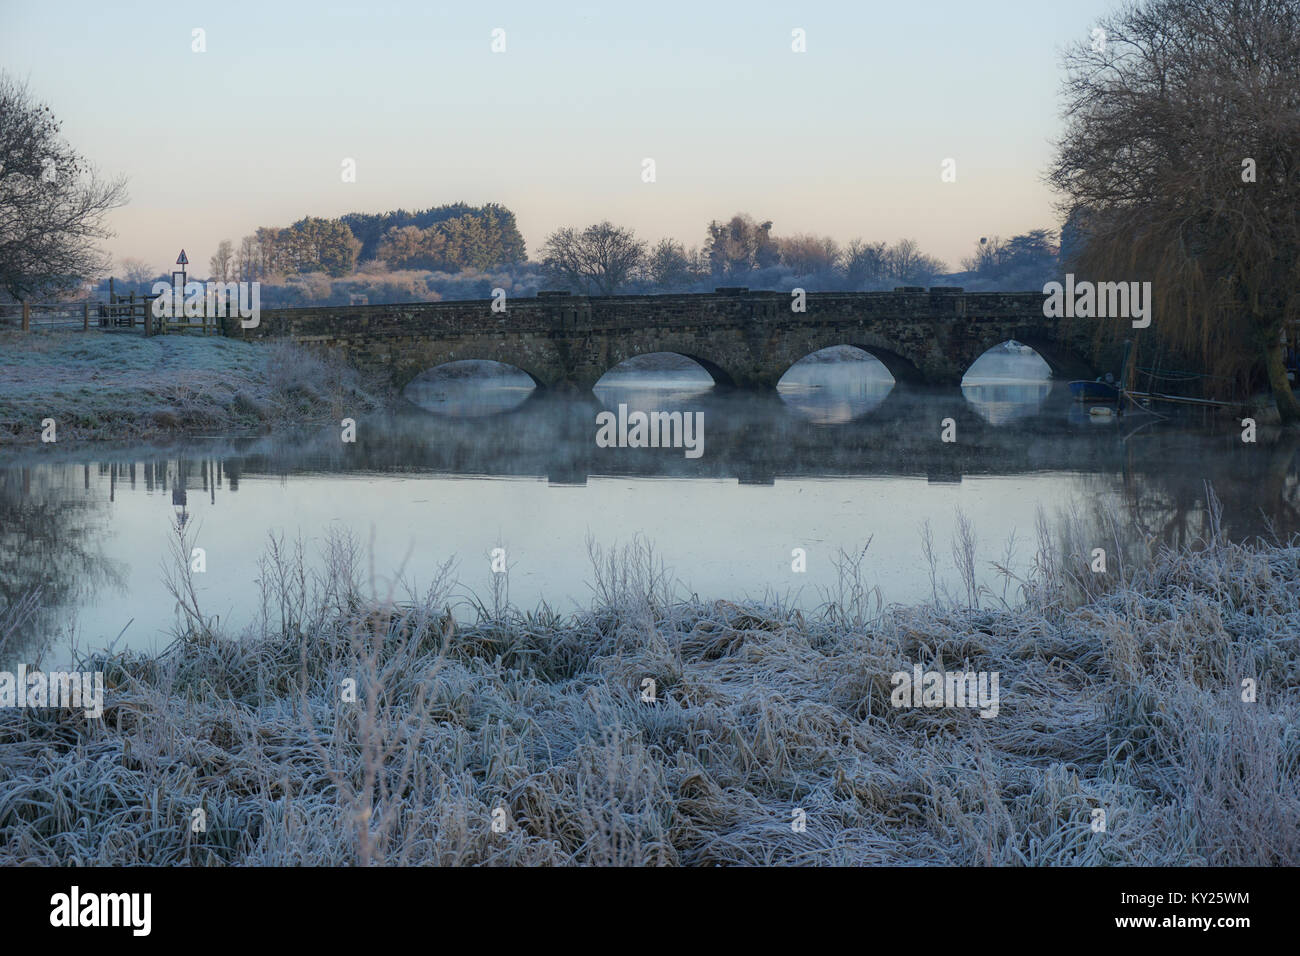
x=27, y=316
x=85, y=316
x=144, y=313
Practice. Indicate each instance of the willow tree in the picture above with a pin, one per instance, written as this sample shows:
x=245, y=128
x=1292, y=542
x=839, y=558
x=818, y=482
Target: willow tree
x=1180, y=164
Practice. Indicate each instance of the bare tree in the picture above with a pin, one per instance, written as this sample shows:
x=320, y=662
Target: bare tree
x=806, y=254
x=52, y=202
x=600, y=259
x=865, y=263
x=989, y=258
x=995, y=257
x=248, y=259
x=136, y=270
x=906, y=263
x=671, y=266
x=1180, y=164
x=222, y=262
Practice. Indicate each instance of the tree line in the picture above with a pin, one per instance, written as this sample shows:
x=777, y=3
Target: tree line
x=447, y=238
x=604, y=259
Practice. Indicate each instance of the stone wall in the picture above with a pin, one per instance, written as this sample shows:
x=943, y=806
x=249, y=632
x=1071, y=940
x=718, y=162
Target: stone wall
x=743, y=338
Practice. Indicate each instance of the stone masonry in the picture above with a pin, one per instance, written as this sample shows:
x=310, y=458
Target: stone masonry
x=743, y=338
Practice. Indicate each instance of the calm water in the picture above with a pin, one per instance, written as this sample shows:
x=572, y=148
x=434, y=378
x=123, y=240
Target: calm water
x=837, y=458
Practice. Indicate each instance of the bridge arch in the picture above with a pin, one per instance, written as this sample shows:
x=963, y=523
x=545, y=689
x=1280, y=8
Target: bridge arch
x=856, y=356
x=419, y=362
x=890, y=355
x=469, y=388
x=1062, y=361
x=742, y=338
x=835, y=385
x=722, y=378
x=1007, y=360
x=452, y=371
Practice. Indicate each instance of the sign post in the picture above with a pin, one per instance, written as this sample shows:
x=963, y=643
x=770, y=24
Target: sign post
x=178, y=288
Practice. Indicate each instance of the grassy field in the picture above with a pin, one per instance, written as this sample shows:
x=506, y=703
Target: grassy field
x=117, y=387
x=1119, y=692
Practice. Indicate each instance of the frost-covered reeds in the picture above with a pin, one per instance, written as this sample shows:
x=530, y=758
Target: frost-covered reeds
x=528, y=738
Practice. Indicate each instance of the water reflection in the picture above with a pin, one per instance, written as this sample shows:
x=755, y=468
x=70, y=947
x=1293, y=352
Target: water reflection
x=659, y=381
x=835, y=385
x=433, y=486
x=55, y=531
x=1007, y=383
x=1005, y=402
x=1085, y=416
x=470, y=389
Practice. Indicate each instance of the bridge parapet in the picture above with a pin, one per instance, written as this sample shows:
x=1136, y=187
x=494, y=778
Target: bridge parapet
x=742, y=337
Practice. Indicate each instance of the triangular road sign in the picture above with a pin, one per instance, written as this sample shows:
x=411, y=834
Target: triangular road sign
x=182, y=259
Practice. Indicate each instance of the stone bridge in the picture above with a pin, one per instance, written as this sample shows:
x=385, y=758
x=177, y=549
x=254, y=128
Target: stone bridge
x=742, y=338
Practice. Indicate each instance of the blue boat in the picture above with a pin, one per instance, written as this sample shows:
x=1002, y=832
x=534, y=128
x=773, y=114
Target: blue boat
x=1094, y=392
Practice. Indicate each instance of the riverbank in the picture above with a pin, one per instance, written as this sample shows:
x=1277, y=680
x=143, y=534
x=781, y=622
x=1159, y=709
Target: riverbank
x=1119, y=736
x=112, y=387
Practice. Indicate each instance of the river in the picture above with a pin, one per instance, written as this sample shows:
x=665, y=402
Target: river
x=837, y=460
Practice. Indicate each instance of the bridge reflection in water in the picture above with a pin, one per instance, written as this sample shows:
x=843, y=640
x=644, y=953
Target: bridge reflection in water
x=1008, y=382
x=832, y=386
x=429, y=487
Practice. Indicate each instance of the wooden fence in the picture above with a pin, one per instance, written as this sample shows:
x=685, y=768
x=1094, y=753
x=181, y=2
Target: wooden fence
x=121, y=313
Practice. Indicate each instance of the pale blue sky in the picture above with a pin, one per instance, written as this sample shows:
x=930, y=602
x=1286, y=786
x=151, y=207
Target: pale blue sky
x=846, y=139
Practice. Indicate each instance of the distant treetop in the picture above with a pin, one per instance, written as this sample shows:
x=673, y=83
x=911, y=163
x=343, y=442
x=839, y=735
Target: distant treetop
x=495, y=241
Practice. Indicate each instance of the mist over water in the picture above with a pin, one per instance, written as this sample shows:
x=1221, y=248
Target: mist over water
x=660, y=381
x=1006, y=364
x=470, y=389
x=1008, y=382
x=838, y=456
x=835, y=385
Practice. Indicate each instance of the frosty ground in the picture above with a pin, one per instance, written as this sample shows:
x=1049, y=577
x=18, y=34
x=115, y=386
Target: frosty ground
x=104, y=386
x=1165, y=694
